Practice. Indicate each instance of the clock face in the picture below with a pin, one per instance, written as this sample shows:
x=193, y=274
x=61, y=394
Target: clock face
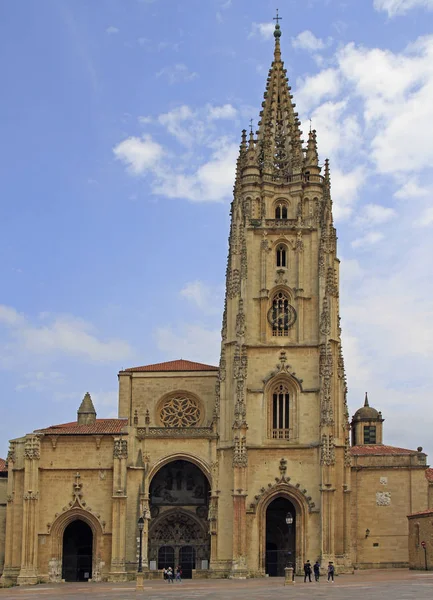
x=281, y=316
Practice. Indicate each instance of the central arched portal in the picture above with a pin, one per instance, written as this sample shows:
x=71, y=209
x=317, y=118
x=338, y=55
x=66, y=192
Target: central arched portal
x=77, y=552
x=280, y=536
x=179, y=529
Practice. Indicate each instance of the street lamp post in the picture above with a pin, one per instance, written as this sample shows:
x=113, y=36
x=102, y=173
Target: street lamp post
x=140, y=575
x=289, y=571
x=140, y=552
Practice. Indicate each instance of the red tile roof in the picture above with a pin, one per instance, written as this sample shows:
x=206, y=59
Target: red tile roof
x=172, y=365
x=379, y=449
x=100, y=427
x=3, y=465
x=429, y=474
x=421, y=513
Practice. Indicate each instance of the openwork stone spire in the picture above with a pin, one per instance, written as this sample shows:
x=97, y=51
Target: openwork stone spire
x=279, y=133
x=312, y=157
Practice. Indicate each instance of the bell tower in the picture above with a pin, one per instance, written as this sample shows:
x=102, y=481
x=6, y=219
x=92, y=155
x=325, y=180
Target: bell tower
x=281, y=392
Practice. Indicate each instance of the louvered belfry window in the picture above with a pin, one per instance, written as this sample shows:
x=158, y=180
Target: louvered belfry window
x=280, y=412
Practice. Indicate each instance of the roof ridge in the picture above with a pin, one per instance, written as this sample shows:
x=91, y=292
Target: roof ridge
x=180, y=364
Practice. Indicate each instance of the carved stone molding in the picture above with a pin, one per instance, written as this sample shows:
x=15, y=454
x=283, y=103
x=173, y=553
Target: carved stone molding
x=240, y=458
x=32, y=448
x=179, y=432
x=327, y=450
x=283, y=368
x=325, y=318
x=282, y=482
x=120, y=449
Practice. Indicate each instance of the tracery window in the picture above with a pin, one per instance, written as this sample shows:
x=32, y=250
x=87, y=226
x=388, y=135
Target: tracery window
x=281, y=211
x=180, y=411
x=280, y=412
x=281, y=256
x=281, y=315
x=369, y=434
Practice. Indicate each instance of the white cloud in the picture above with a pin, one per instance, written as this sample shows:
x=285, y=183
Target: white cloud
x=375, y=214
x=426, y=218
x=345, y=190
x=56, y=335
x=314, y=88
x=112, y=30
x=412, y=189
x=40, y=380
x=306, y=40
x=369, y=239
x=401, y=7
x=226, y=111
x=206, y=298
x=262, y=30
x=178, y=73
x=139, y=154
x=211, y=182
x=190, y=341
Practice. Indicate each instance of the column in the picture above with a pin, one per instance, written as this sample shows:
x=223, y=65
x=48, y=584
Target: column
x=118, y=544
x=29, y=545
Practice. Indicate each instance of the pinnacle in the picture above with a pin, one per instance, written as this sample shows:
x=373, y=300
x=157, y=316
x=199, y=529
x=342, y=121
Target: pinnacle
x=312, y=158
x=86, y=413
x=366, y=400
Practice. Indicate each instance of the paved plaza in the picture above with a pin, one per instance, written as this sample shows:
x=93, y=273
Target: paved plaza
x=365, y=585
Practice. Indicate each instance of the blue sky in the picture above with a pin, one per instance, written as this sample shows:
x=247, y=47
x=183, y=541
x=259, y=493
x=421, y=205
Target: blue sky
x=120, y=122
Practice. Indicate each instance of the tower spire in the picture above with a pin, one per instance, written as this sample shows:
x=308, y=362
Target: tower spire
x=366, y=400
x=280, y=149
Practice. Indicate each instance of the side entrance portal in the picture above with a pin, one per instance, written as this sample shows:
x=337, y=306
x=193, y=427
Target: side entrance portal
x=280, y=537
x=77, y=552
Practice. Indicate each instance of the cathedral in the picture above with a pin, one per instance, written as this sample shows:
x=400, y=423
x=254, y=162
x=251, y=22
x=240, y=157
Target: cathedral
x=241, y=469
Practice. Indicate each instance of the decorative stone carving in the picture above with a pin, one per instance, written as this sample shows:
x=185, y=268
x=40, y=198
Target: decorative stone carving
x=234, y=284
x=32, y=448
x=331, y=282
x=283, y=367
x=240, y=319
x=147, y=417
x=325, y=318
x=299, y=242
x=31, y=495
x=327, y=450
x=383, y=480
x=180, y=411
x=120, y=449
x=224, y=323
x=240, y=458
x=280, y=279
x=98, y=440
x=325, y=371
x=282, y=482
x=53, y=440
x=179, y=432
x=347, y=453
x=383, y=498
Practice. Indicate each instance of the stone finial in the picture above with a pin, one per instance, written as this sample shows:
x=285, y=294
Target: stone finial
x=311, y=157
x=327, y=171
x=86, y=414
x=366, y=400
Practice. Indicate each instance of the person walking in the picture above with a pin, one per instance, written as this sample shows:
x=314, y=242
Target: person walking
x=178, y=574
x=170, y=575
x=307, y=571
x=331, y=571
x=316, y=569
x=165, y=573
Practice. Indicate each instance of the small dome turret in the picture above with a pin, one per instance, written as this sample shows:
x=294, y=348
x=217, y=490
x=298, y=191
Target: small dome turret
x=367, y=425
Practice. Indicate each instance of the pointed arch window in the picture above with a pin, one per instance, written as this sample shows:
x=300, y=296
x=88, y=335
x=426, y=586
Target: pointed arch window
x=281, y=211
x=281, y=315
x=280, y=412
x=281, y=255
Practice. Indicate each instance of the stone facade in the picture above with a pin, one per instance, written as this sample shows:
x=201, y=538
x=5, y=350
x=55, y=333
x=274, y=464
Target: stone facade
x=421, y=540
x=3, y=501
x=236, y=470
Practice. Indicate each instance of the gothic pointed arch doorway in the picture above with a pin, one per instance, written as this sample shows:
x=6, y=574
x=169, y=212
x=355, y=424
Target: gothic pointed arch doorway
x=77, y=556
x=280, y=536
x=179, y=527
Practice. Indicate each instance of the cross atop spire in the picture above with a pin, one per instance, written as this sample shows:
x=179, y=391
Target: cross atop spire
x=277, y=18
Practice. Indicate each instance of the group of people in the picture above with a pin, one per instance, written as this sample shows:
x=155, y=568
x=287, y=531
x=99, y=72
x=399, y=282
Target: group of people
x=316, y=568
x=170, y=575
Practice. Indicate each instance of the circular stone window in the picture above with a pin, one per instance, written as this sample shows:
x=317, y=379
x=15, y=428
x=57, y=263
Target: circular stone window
x=180, y=411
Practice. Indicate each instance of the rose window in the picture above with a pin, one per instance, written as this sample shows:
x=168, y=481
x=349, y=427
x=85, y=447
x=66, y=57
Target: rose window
x=180, y=411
